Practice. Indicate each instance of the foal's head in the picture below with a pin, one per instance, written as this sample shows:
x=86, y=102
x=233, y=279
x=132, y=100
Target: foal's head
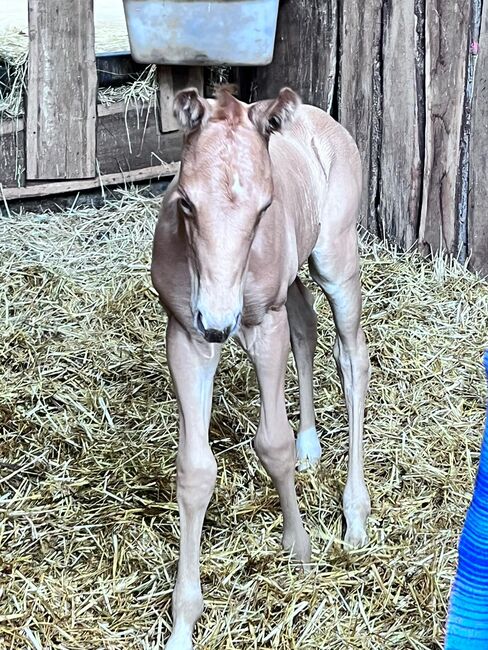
x=224, y=190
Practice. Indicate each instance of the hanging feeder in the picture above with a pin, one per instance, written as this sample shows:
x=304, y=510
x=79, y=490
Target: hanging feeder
x=194, y=32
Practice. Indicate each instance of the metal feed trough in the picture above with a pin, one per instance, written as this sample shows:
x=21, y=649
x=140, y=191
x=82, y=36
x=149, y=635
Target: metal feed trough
x=197, y=32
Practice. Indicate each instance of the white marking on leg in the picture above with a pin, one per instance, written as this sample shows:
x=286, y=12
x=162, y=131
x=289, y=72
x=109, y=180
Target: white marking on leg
x=308, y=448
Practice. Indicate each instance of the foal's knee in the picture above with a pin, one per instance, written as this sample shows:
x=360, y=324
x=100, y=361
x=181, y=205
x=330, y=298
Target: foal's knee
x=197, y=474
x=276, y=451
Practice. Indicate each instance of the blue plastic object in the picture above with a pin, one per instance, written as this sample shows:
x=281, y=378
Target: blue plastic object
x=198, y=32
x=467, y=623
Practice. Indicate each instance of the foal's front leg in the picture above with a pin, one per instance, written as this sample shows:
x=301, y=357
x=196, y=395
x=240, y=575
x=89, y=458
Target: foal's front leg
x=192, y=364
x=268, y=346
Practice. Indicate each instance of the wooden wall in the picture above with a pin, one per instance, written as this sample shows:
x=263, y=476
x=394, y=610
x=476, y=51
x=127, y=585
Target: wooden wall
x=68, y=143
x=409, y=79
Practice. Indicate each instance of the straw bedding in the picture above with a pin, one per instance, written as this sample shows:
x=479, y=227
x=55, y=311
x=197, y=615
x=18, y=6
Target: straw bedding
x=88, y=517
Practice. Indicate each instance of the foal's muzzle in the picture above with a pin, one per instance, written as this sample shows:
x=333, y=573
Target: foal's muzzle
x=212, y=335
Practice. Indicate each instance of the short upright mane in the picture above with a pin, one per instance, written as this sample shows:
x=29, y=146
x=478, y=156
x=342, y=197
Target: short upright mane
x=227, y=107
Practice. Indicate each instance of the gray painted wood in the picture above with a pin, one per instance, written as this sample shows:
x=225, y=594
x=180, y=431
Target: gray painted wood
x=62, y=90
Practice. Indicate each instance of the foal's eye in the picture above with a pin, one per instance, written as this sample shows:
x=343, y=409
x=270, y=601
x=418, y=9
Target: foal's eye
x=185, y=206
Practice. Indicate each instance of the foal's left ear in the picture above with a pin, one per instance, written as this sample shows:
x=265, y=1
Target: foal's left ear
x=273, y=115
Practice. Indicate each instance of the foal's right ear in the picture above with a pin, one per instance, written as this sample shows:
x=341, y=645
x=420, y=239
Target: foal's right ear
x=191, y=110
x=273, y=115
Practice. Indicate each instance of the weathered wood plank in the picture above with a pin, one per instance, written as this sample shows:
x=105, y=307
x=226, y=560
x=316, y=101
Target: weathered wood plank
x=12, y=153
x=359, y=100
x=478, y=169
x=117, y=68
x=128, y=137
x=63, y=187
x=446, y=47
x=172, y=79
x=305, y=55
x=403, y=122
x=61, y=99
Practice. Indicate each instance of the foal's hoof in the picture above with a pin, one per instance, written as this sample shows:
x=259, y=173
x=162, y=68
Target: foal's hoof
x=298, y=544
x=308, y=449
x=357, y=508
x=356, y=516
x=178, y=642
x=356, y=537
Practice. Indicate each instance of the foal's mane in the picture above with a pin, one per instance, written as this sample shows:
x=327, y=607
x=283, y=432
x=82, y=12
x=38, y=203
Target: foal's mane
x=227, y=108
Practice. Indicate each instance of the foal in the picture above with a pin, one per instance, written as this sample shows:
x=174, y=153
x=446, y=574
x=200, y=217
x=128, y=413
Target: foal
x=262, y=189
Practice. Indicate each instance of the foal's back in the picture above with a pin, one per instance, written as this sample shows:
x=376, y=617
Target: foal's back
x=316, y=172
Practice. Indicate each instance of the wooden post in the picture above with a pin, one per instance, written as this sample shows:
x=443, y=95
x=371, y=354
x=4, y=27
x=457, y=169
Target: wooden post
x=172, y=79
x=305, y=54
x=62, y=90
x=360, y=93
x=403, y=125
x=478, y=170
x=446, y=46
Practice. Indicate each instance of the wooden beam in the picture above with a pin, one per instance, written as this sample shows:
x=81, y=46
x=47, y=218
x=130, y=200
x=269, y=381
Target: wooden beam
x=128, y=137
x=478, y=169
x=117, y=68
x=401, y=161
x=446, y=48
x=62, y=90
x=305, y=54
x=63, y=187
x=172, y=79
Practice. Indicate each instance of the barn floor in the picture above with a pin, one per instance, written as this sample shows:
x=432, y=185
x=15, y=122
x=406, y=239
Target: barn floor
x=88, y=519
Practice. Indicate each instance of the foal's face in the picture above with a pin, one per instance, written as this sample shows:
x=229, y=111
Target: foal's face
x=224, y=190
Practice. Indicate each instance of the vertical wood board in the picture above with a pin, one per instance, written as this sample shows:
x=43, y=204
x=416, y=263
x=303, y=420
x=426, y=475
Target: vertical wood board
x=401, y=162
x=12, y=153
x=62, y=90
x=170, y=81
x=478, y=170
x=446, y=47
x=305, y=55
x=359, y=101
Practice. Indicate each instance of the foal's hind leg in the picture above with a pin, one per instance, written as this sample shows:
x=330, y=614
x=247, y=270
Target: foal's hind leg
x=334, y=265
x=303, y=333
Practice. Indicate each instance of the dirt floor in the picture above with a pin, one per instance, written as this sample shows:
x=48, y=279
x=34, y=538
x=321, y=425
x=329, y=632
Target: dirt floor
x=88, y=518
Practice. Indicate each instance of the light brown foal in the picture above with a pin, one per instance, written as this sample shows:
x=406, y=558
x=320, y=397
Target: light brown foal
x=262, y=189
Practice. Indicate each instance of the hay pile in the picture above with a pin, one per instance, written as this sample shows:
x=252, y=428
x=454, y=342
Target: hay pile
x=14, y=45
x=88, y=519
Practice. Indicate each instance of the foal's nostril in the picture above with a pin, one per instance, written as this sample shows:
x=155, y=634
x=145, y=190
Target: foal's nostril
x=200, y=324
x=210, y=334
x=217, y=336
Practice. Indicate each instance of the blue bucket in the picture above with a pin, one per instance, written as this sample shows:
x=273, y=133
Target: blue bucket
x=194, y=32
